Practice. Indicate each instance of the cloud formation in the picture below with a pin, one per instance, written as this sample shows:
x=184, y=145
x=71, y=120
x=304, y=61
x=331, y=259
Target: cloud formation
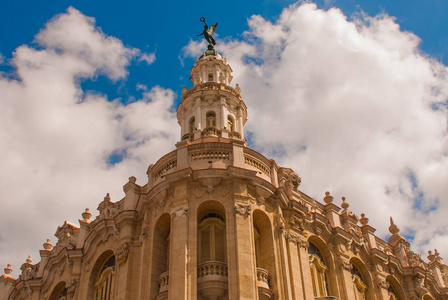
x=63, y=149
x=355, y=108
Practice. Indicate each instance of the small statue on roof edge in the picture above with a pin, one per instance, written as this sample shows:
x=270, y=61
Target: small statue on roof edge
x=208, y=32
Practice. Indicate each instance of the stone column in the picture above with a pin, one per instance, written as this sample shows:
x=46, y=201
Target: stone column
x=242, y=272
x=290, y=254
x=345, y=275
x=178, y=287
x=240, y=123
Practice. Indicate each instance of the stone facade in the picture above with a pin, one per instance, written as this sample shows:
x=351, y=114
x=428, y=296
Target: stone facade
x=218, y=220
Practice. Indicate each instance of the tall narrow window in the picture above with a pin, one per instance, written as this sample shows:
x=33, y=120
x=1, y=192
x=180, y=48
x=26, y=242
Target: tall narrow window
x=105, y=279
x=192, y=125
x=210, y=77
x=211, y=238
x=318, y=271
x=211, y=119
x=230, y=124
x=359, y=286
x=257, y=237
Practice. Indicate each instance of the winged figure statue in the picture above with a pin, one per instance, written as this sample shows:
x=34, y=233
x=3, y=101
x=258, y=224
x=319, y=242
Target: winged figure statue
x=208, y=32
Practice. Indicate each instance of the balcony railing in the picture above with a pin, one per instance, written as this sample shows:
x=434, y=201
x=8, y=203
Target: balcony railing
x=212, y=279
x=212, y=268
x=211, y=131
x=234, y=134
x=264, y=292
x=164, y=281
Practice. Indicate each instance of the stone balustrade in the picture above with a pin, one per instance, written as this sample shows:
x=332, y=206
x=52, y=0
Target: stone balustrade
x=211, y=131
x=211, y=86
x=252, y=161
x=234, y=134
x=164, y=281
x=210, y=155
x=212, y=268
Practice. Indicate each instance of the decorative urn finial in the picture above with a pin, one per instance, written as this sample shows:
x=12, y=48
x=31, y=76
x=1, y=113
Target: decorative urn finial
x=8, y=269
x=328, y=198
x=48, y=245
x=86, y=214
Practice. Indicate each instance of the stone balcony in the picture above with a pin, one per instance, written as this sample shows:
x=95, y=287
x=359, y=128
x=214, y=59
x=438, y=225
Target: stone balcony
x=212, y=280
x=264, y=292
x=211, y=131
x=163, y=286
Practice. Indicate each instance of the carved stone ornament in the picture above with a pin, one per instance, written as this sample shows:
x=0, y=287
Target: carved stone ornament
x=122, y=253
x=345, y=265
x=71, y=288
x=180, y=211
x=381, y=283
x=242, y=209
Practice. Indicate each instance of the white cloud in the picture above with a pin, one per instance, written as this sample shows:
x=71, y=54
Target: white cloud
x=350, y=106
x=56, y=139
x=149, y=58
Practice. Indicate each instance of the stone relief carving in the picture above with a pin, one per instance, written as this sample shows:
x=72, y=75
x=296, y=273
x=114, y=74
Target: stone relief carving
x=242, y=209
x=345, y=265
x=122, y=253
x=180, y=211
x=108, y=209
x=381, y=283
x=71, y=288
x=414, y=259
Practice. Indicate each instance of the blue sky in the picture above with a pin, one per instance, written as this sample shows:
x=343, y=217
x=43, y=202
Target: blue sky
x=345, y=98
x=156, y=26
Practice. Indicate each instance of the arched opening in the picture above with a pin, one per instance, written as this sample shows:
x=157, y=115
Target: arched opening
x=359, y=285
x=59, y=292
x=230, y=124
x=319, y=271
x=210, y=119
x=101, y=281
x=264, y=253
x=395, y=291
x=192, y=126
x=160, y=256
x=105, y=280
x=212, y=251
x=210, y=77
x=318, y=247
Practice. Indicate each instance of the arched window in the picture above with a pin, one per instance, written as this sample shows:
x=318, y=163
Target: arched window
x=211, y=119
x=192, y=125
x=359, y=286
x=230, y=124
x=392, y=294
x=210, y=77
x=211, y=238
x=160, y=256
x=59, y=292
x=319, y=271
x=104, y=283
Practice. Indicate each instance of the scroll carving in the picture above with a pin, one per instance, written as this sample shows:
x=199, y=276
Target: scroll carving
x=180, y=211
x=122, y=253
x=243, y=210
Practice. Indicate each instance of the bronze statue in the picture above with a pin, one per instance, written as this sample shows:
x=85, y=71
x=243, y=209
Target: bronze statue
x=208, y=32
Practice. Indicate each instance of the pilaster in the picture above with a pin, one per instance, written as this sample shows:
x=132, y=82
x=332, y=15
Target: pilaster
x=242, y=271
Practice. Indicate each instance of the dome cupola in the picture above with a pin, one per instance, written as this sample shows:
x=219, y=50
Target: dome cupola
x=211, y=108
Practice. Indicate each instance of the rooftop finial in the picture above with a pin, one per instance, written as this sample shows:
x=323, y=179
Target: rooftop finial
x=8, y=269
x=208, y=32
x=394, y=229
